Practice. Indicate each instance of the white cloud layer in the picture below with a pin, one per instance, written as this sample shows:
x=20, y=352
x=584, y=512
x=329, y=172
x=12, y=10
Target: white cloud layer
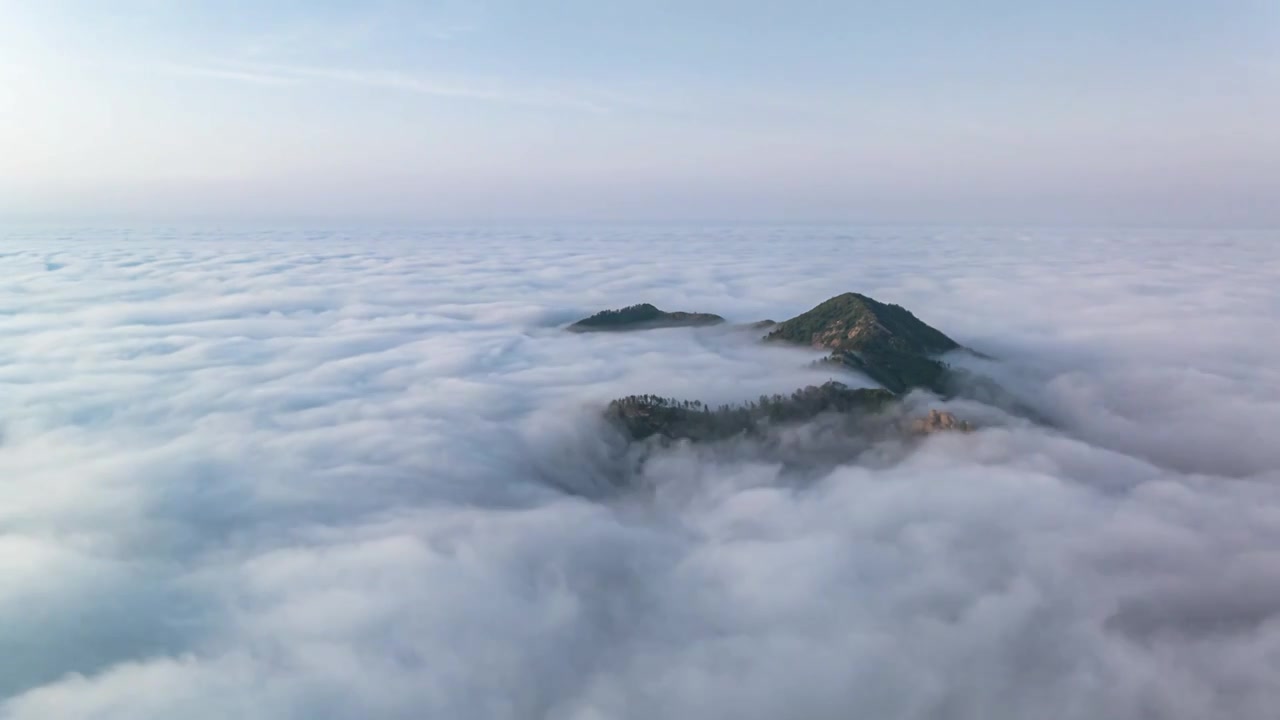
x=323, y=475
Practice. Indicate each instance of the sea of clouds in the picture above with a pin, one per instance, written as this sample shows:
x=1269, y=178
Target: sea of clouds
x=362, y=475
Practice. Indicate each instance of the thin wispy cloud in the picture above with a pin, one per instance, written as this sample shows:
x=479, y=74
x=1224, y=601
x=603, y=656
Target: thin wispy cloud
x=224, y=73
x=867, y=112
x=489, y=92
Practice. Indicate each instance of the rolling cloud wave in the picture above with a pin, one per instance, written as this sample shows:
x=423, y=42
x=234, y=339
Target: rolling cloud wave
x=325, y=475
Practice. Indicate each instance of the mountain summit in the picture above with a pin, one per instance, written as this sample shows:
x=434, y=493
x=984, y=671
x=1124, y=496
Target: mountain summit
x=885, y=342
x=641, y=317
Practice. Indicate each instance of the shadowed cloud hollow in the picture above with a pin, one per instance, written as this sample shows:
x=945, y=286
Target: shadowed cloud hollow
x=361, y=475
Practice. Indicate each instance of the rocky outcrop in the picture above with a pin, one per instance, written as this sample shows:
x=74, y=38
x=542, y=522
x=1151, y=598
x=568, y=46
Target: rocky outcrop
x=641, y=317
x=940, y=421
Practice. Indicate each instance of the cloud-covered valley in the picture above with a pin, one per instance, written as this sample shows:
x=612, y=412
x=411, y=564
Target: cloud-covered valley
x=359, y=475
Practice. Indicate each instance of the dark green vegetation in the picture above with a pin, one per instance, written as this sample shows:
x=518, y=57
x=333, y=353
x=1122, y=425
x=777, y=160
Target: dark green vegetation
x=885, y=342
x=642, y=317
x=643, y=416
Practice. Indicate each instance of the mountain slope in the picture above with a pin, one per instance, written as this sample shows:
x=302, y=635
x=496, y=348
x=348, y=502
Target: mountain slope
x=886, y=342
x=642, y=416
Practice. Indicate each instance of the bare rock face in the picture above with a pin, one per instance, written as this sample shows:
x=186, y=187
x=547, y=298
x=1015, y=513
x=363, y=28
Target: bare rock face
x=940, y=421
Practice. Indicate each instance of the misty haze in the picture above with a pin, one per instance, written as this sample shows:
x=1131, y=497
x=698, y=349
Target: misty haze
x=631, y=361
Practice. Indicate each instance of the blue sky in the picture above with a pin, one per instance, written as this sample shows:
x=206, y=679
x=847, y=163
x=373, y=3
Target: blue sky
x=988, y=111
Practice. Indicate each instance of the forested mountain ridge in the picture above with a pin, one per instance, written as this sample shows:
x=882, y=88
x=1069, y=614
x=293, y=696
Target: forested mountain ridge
x=643, y=316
